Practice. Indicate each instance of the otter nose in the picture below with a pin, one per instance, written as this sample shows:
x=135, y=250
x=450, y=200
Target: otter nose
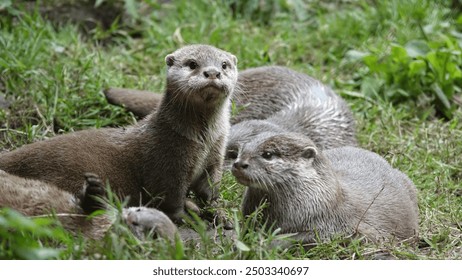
x=241, y=164
x=212, y=73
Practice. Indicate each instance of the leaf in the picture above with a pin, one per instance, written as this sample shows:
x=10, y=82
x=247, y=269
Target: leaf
x=371, y=86
x=454, y=71
x=179, y=249
x=417, y=68
x=372, y=62
x=456, y=34
x=441, y=96
x=98, y=3
x=241, y=246
x=398, y=53
x=435, y=62
x=132, y=9
x=5, y=4
x=37, y=253
x=355, y=55
x=417, y=48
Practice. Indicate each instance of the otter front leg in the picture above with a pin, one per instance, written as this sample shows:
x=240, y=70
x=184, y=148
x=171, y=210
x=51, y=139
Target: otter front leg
x=173, y=200
x=206, y=190
x=206, y=186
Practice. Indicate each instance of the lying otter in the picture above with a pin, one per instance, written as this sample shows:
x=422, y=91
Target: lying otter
x=316, y=193
x=36, y=198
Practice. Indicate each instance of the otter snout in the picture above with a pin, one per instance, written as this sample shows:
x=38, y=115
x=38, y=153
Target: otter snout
x=239, y=171
x=241, y=164
x=212, y=73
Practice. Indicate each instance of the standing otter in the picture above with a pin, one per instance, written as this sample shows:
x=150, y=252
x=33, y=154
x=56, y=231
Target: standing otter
x=35, y=198
x=179, y=148
x=324, y=193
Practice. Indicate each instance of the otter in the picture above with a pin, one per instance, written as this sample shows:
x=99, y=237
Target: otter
x=140, y=102
x=177, y=149
x=320, y=194
x=270, y=98
x=36, y=198
x=329, y=123
x=147, y=222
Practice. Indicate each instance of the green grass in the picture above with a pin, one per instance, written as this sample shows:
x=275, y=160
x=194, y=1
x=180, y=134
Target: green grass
x=53, y=75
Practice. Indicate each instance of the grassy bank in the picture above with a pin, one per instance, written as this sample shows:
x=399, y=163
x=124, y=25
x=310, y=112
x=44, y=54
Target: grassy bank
x=395, y=62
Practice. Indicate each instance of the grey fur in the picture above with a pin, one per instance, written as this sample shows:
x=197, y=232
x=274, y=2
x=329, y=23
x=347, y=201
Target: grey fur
x=341, y=191
x=177, y=149
x=327, y=121
x=145, y=222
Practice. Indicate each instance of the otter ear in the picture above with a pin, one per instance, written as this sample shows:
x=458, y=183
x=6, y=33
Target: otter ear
x=309, y=152
x=169, y=59
x=234, y=59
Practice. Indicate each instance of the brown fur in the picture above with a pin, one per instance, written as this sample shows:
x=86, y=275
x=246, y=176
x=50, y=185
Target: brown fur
x=35, y=198
x=178, y=148
x=139, y=102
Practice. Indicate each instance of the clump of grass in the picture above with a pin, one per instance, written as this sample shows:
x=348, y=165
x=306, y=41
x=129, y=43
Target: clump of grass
x=25, y=238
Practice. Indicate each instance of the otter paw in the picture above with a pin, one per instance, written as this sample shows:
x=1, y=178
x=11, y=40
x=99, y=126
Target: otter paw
x=217, y=216
x=222, y=219
x=92, y=193
x=191, y=206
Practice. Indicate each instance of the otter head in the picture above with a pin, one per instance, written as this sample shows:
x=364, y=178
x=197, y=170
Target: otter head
x=272, y=161
x=201, y=74
x=244, y=132
x=144, y=222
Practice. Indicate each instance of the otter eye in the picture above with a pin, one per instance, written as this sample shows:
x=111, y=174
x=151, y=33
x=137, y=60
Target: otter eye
x=224, y=65
x=231, y=154
x=192, y=65
x=267, y=155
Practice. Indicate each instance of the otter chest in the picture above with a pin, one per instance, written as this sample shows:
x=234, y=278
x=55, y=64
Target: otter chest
x=205, y=149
